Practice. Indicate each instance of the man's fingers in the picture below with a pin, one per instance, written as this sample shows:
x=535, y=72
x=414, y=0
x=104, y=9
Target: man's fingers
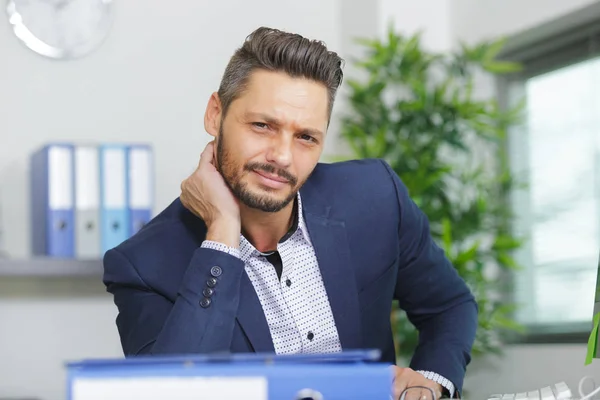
x=207, y=155
x=418, y=393
x=398, y=382
x=399, y=386
x=410, y=385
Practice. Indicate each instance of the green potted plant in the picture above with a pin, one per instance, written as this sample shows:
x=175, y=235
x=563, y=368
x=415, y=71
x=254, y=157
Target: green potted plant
x=417, y=110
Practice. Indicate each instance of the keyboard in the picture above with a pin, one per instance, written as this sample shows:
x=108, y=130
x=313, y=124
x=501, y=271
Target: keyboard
x=559, y=391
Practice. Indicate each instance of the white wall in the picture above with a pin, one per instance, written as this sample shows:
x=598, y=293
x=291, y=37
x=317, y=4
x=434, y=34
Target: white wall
x=44, y=324
x=149, y=82
x=474, y=20
x=430, y=17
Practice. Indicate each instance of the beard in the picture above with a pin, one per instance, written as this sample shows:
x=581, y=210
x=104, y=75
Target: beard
x=233, y=179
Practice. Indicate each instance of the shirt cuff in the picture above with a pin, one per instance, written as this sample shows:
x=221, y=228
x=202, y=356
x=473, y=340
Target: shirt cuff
x=209, y=244
x=439, y=379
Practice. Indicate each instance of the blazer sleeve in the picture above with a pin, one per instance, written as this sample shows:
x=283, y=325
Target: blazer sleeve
x=150, y=323
x=435, y=298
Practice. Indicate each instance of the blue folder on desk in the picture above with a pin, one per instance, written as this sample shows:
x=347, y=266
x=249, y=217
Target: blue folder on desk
x=339, y=376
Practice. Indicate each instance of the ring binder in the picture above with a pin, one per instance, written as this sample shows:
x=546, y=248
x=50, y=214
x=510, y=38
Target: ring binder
x=336, y=376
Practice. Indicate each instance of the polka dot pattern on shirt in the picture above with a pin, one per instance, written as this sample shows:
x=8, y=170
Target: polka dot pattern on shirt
x=298, y=311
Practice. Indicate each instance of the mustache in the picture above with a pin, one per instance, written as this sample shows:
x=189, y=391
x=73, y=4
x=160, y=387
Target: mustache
x=268, y=168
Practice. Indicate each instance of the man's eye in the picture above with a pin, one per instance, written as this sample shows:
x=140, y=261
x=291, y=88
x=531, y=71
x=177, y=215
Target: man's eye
x=308, y=138
x=260, y=125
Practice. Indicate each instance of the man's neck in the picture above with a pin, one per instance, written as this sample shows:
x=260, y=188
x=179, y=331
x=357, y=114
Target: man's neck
x=264, y=230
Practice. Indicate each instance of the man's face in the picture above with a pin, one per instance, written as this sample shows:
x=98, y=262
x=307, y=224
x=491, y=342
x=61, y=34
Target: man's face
x=271, y=139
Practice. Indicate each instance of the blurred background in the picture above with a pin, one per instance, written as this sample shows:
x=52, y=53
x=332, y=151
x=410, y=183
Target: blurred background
x=489, y=111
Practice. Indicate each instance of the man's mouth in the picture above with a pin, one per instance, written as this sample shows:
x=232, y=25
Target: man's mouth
x=272, y=177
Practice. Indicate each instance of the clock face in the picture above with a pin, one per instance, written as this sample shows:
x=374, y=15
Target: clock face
x=60, y=28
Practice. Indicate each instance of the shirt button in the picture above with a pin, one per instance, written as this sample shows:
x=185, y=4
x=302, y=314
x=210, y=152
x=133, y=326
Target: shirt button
x=208, y=292
x=211, y=283
x=204, y=303
x=288, y=282
x=310, y=336
x=216, y=271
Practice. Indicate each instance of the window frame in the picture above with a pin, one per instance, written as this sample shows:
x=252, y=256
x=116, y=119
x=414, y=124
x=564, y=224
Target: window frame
x=568, y=40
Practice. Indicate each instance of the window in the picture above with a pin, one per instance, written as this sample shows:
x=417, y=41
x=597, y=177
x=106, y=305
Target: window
x=556, y=153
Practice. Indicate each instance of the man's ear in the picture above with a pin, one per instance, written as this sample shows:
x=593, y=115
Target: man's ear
x=213, y=114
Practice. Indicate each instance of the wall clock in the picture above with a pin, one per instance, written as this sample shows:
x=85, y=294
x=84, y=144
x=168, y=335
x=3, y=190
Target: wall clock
x=61, y=29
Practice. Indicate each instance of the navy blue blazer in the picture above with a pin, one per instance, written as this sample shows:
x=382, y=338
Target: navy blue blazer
x=373, y=246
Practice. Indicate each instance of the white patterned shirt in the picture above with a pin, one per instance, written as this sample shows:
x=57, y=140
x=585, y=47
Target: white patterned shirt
x=296, y=306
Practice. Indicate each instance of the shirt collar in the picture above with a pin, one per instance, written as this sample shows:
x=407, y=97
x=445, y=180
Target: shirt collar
x=300, y=220
x=247, y=250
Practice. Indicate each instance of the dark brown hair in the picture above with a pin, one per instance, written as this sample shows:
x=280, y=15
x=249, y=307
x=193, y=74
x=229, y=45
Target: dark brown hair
x=274, y=50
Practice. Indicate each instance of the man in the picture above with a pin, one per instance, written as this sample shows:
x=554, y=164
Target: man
x=267, y=250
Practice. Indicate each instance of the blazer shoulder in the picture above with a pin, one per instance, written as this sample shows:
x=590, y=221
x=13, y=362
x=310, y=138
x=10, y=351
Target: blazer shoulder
x=350, y=166
x=371, y=177
x=172, y=234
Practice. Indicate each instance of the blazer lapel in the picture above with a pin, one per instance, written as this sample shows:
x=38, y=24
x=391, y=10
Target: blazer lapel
x=250, y=315
x=330, y=242
x=252, y=318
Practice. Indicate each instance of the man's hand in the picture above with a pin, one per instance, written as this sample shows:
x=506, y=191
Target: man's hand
x=407, y=378
x=206, y=195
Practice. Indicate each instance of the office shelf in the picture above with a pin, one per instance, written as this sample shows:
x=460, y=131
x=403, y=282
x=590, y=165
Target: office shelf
x=50, y=267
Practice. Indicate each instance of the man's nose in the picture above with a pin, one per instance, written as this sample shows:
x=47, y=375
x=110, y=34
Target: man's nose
x=280, y=151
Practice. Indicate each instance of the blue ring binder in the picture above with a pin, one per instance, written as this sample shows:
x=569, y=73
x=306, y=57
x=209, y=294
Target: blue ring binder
x=336, y=376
